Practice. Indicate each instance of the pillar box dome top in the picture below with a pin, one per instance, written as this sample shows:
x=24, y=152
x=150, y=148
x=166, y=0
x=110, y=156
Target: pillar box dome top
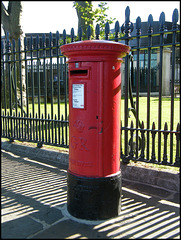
x=94, y=50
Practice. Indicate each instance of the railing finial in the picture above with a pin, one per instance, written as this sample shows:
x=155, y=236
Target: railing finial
x=64, y=36
x=97, y=31
x=127, y=26
x=116, y=31
x=89, y=32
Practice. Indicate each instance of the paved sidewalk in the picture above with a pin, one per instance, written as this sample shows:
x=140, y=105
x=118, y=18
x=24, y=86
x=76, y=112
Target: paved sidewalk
x=34, y=206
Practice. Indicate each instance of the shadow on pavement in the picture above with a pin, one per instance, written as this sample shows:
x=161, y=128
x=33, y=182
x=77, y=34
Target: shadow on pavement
x=33, y=203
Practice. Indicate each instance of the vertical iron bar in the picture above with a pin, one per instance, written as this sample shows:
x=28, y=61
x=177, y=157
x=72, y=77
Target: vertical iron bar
x=174, y=28
x=15, y=85
x=142, y=155
x=126, y=28
x=162, y=22
x=55, y=125
x=62, y=130
x=58, y=79
x=3, y=125
x=8, y=126
x=177, y=156
x=138, y=27
x=38, y=80
x=19, y=125
x=153, y=156
x=48, y=127
x=131, y=153
x=26, y=79
x=32, y=83
x=45, y=83
x=65, y=90
x=121, y=141
x=165, y=133
x=30, y=126
x=42, y=121
x=3, y=55
x=150, y=31
x=66, y=96
x=9, y=78
x=24, y=126
x=3, y=105
x=14, y=122
x=36, y=122
x=20, y=78
x=51, y=82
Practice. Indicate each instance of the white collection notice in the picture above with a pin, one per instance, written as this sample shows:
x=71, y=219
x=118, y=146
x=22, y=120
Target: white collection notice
x=78, y=95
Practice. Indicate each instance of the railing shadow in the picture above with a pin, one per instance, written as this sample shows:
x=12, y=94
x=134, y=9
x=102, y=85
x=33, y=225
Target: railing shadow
x=34, y=200
x=31, y=192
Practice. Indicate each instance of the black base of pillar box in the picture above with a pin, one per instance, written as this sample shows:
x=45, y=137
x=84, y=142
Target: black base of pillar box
x=94, y=198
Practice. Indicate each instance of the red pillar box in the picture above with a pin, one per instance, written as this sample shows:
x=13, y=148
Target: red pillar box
x=94, y=176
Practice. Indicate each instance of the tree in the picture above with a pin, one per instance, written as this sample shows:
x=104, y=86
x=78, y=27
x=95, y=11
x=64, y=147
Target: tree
x=87, y=16
x=11, y=20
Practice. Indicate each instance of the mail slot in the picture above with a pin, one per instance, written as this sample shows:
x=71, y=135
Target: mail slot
x=78, y=73
x=94, y=176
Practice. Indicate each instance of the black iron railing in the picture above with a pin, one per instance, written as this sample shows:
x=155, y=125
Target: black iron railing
x=34, y=89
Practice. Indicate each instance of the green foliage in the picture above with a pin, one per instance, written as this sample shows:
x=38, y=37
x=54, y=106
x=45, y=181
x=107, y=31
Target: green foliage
x=98, y=16
x=101, y=17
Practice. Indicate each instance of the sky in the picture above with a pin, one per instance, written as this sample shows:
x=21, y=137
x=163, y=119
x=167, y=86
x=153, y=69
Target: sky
x=52, y=16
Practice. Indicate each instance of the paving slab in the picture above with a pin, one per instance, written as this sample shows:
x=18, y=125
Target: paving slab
x=34, y=205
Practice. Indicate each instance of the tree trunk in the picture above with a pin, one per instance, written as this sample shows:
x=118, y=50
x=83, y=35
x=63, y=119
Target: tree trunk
x=81, y=21
x=11, y=20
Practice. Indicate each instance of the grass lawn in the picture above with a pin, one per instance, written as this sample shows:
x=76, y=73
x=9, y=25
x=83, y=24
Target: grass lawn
x=166, y=117
x=154, y=101
x=166, y=109
x=166, y=106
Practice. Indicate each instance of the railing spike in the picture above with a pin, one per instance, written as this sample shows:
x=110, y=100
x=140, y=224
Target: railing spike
x=88, y=32
x=57, y=35
x=127, y=14
x=97, y=31
x=116, y=31
x=80, y=33
x=162, y=21
x=64, y=36
x=138, y=25
x=165, y=126
x=107, y=29
x=72, y=35
x=150, y=24
x=150, y=20
x=127, y=26
x=178, y=127
x=117, y=26
x=175, y=16
x=175, y=19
